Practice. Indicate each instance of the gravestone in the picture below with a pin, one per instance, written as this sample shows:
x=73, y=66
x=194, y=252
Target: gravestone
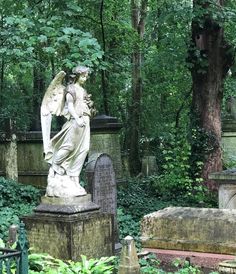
x=105, y=138
x=226, y=181
x=102, y=184
x=210, y=230
x=149, y=165
x=228, y=137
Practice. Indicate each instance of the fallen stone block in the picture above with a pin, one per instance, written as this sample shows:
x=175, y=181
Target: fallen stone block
x=191, y=229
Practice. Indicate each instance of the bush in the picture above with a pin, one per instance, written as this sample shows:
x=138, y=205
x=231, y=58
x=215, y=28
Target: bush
x=15, y=200
x=46, y=264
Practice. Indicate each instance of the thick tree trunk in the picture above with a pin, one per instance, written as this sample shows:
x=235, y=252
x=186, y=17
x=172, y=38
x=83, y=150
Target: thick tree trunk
x=210, y=59
x=138, y=15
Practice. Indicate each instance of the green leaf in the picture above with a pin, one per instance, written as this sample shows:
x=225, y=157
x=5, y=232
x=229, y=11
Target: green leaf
x=42, y=38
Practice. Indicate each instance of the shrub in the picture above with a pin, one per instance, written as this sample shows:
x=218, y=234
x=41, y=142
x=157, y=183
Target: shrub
x=15, y=200
x=46, y=264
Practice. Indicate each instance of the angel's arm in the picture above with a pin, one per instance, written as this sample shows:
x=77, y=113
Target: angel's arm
x=71, y=109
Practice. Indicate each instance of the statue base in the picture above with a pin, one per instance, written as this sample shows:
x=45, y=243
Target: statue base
x=67, y=228
x=64, y=186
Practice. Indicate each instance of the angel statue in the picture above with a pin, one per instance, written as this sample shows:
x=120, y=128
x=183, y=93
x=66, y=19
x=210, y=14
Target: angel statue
x=67, y=150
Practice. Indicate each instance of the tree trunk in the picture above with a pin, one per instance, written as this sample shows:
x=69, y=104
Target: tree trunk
x=138, y=15
x=2, y=76
x=104, y=81
x=210, y=58
x=39, y=89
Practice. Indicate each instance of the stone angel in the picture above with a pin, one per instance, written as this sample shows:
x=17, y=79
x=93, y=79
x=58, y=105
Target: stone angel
x=67, y=150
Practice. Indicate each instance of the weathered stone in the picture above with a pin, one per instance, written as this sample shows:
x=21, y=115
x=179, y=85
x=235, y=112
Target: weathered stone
x=32, y=169
x=12, y=235
x=72, y=231
x=68, y=205
x=105, y=139
x=228, y=143
x=128, y=259
x=196, y=229
x=102, y=184
x=228, y=125
x=149, y=165
x=11, y=159
x=228, y=266
x=70, y=236
x=226, y=181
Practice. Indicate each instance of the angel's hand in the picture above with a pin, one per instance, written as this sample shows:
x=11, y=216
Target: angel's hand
x=80, y=121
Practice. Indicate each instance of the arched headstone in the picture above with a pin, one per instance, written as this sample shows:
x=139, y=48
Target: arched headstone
x=102, y=184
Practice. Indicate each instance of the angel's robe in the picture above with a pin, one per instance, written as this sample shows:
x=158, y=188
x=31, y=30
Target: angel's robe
x=69, y=148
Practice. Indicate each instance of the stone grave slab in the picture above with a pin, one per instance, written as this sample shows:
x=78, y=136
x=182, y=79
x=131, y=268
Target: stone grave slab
x=191, y=229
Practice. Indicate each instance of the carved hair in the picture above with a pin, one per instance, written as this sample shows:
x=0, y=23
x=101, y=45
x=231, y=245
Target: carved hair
x=80, y=69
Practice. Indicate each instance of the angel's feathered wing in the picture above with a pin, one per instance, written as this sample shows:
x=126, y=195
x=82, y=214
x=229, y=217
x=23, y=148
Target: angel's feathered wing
x=52, y=104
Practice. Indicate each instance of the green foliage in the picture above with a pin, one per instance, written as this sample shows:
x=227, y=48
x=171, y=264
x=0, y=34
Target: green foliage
x=43, y=36
x=46, y=264
x=176, y=179
x=142, y=196
x=185, y=267
x=128, y=225
x=150, y=265
x=131, y=208
x=15, y=200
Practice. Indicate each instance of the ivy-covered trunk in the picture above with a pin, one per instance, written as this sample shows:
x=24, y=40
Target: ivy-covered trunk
x=210, y=59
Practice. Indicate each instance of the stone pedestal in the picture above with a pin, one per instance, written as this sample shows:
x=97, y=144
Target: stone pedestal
x=105, y=139
x=68, y=228
x=228, y=142
x=209, y=230
x=226, y=181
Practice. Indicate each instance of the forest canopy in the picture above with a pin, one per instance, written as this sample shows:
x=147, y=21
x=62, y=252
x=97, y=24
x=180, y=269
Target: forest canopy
x=149, y=60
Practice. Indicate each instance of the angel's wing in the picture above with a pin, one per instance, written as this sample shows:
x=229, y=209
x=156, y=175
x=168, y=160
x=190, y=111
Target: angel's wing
x=52, y=104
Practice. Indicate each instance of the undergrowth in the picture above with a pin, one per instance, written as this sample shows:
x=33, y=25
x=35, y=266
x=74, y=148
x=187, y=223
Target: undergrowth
x=16, y=200
x=138, y=197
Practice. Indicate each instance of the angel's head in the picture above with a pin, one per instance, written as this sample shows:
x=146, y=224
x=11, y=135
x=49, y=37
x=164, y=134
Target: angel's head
x=81, y=73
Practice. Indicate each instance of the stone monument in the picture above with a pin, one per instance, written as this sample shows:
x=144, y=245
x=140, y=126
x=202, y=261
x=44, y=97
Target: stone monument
x=102, y=184
x=210, y=230
x=129, y=263
x=67, y=223
x=226, y=181
x=228, y=137
x=105, y=139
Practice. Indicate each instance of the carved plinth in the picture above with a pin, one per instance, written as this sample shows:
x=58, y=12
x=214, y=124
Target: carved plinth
x=227, y=188
x=67, y=228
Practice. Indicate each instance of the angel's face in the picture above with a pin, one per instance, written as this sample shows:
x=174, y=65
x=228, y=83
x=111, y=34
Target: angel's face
x=83, y=77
